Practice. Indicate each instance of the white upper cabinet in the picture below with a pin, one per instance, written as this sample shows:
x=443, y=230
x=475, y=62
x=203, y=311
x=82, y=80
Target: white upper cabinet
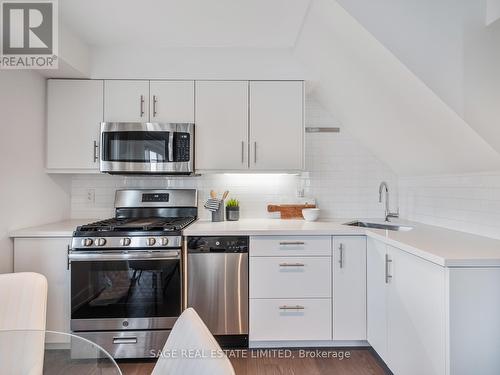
x=74, y=114
x=222, y=125
x=276, y=125
x=171, y=101
x=349, y=296
x=126, y=101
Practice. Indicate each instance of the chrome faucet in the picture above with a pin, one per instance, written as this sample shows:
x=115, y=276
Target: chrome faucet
x=388, y=213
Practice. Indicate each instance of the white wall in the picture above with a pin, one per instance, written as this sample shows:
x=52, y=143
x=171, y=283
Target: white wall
x=382, y=103
x=28, y=196
x=467, y=202
x=343, y=177
x=194, y=63
x=448, y=45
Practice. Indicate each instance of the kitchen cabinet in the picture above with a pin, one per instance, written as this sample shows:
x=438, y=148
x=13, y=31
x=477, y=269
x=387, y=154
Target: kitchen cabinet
x=171, y=101
x=290, y=280
x=222, y=125
x=74, y=114
x=376, y=297
x=416, y=315
x=349, y=296
x=276, y=125
x=406, y=310
x=126, y=101
x=48, y=256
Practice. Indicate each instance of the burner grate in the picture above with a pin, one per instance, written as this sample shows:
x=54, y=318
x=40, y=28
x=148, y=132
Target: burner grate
x=138, y=224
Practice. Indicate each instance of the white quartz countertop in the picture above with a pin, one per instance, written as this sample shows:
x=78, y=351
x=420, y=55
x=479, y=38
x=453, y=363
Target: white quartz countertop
x=63, y=228
x=442, y=246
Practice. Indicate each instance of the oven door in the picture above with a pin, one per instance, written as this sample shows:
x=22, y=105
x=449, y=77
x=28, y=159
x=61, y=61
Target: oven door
x=133, y=290
x=152, y=148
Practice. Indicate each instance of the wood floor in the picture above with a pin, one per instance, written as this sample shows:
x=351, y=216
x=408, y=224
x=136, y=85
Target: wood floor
x=360, y=362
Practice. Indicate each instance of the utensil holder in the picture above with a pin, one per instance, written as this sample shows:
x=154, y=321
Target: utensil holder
x=218, y=215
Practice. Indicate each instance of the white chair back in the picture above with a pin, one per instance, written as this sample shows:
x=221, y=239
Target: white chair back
x=192, y=350
x=23, y=309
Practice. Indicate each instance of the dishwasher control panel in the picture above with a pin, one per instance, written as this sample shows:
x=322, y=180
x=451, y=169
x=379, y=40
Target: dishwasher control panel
x=218, y=244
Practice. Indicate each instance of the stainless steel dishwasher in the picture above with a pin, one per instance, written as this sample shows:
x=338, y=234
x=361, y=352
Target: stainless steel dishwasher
x=217, y=285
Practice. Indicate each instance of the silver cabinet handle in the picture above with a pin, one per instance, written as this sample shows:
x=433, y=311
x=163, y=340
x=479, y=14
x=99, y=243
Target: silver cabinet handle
x=155, y=101
x=68, y=262
x=255, y=152
x=292, y=265
x=288, y=243
x=387, y=276
x=341, y=255
x=242, y=152
x=124, y=340
x=296, y=307
x=142, y=105
x=96, y=155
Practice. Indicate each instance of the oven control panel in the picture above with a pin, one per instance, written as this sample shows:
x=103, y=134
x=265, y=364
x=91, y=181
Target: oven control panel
x=142, y=242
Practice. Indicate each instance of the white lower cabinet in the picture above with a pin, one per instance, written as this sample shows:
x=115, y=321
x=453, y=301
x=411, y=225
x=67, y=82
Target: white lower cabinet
x=406, y=310
x=290, y=319
x=48, y=256
x=290, y=289
x=349, y=293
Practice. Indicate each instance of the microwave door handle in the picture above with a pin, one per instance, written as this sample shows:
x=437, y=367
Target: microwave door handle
x=170, y=146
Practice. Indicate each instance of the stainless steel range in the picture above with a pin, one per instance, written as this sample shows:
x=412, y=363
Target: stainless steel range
x=126, y=272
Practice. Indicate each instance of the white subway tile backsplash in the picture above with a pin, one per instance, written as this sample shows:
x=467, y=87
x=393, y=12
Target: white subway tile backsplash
x=341, y=174
x=469, y=202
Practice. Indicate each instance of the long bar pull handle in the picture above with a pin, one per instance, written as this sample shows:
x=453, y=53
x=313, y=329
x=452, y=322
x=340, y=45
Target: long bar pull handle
x=96, y=155
x=142, y=105
x=296, y=307
x=68, y=261
x=242, y=152
x=341, y=255
x=387, y=276
x=292, y=265
x=124, y=340
x=155, y=102
x=255, y=152
x=287, y=243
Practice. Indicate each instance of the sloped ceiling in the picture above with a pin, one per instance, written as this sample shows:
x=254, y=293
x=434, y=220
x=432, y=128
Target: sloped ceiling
x=382, y=102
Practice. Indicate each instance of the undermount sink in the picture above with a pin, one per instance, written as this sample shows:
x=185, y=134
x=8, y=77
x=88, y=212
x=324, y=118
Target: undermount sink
x=388, y=226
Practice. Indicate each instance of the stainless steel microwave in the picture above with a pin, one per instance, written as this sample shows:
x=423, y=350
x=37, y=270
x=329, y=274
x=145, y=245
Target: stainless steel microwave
x=147, y=148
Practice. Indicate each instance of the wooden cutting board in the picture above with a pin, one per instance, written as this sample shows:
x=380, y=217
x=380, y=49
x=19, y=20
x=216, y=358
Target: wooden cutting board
x=289, y=211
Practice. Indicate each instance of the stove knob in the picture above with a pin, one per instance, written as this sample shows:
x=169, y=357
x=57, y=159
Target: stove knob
x=125, y=241
x=151, y=241
x=164, y=241
x=87, y=242
x=101, y=241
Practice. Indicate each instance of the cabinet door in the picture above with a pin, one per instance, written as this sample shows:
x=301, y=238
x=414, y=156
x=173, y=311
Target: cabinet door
x=126, y=101
x=376, y=296
x=349, y=298
x=222, y=125
x=276, y=125
x=416, y=315
x=74, y=114
x=48, y=256
x=172, y=101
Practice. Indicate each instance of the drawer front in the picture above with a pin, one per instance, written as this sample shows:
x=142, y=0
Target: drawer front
x=290, y=277
x=290, y=319
x=291, y=245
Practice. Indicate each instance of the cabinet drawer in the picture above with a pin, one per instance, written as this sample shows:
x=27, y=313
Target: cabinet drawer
x=290, y=277
x=291, y=245
x=290, y=319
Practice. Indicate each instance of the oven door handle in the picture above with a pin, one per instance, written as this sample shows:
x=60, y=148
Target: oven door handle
x=79, y=256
